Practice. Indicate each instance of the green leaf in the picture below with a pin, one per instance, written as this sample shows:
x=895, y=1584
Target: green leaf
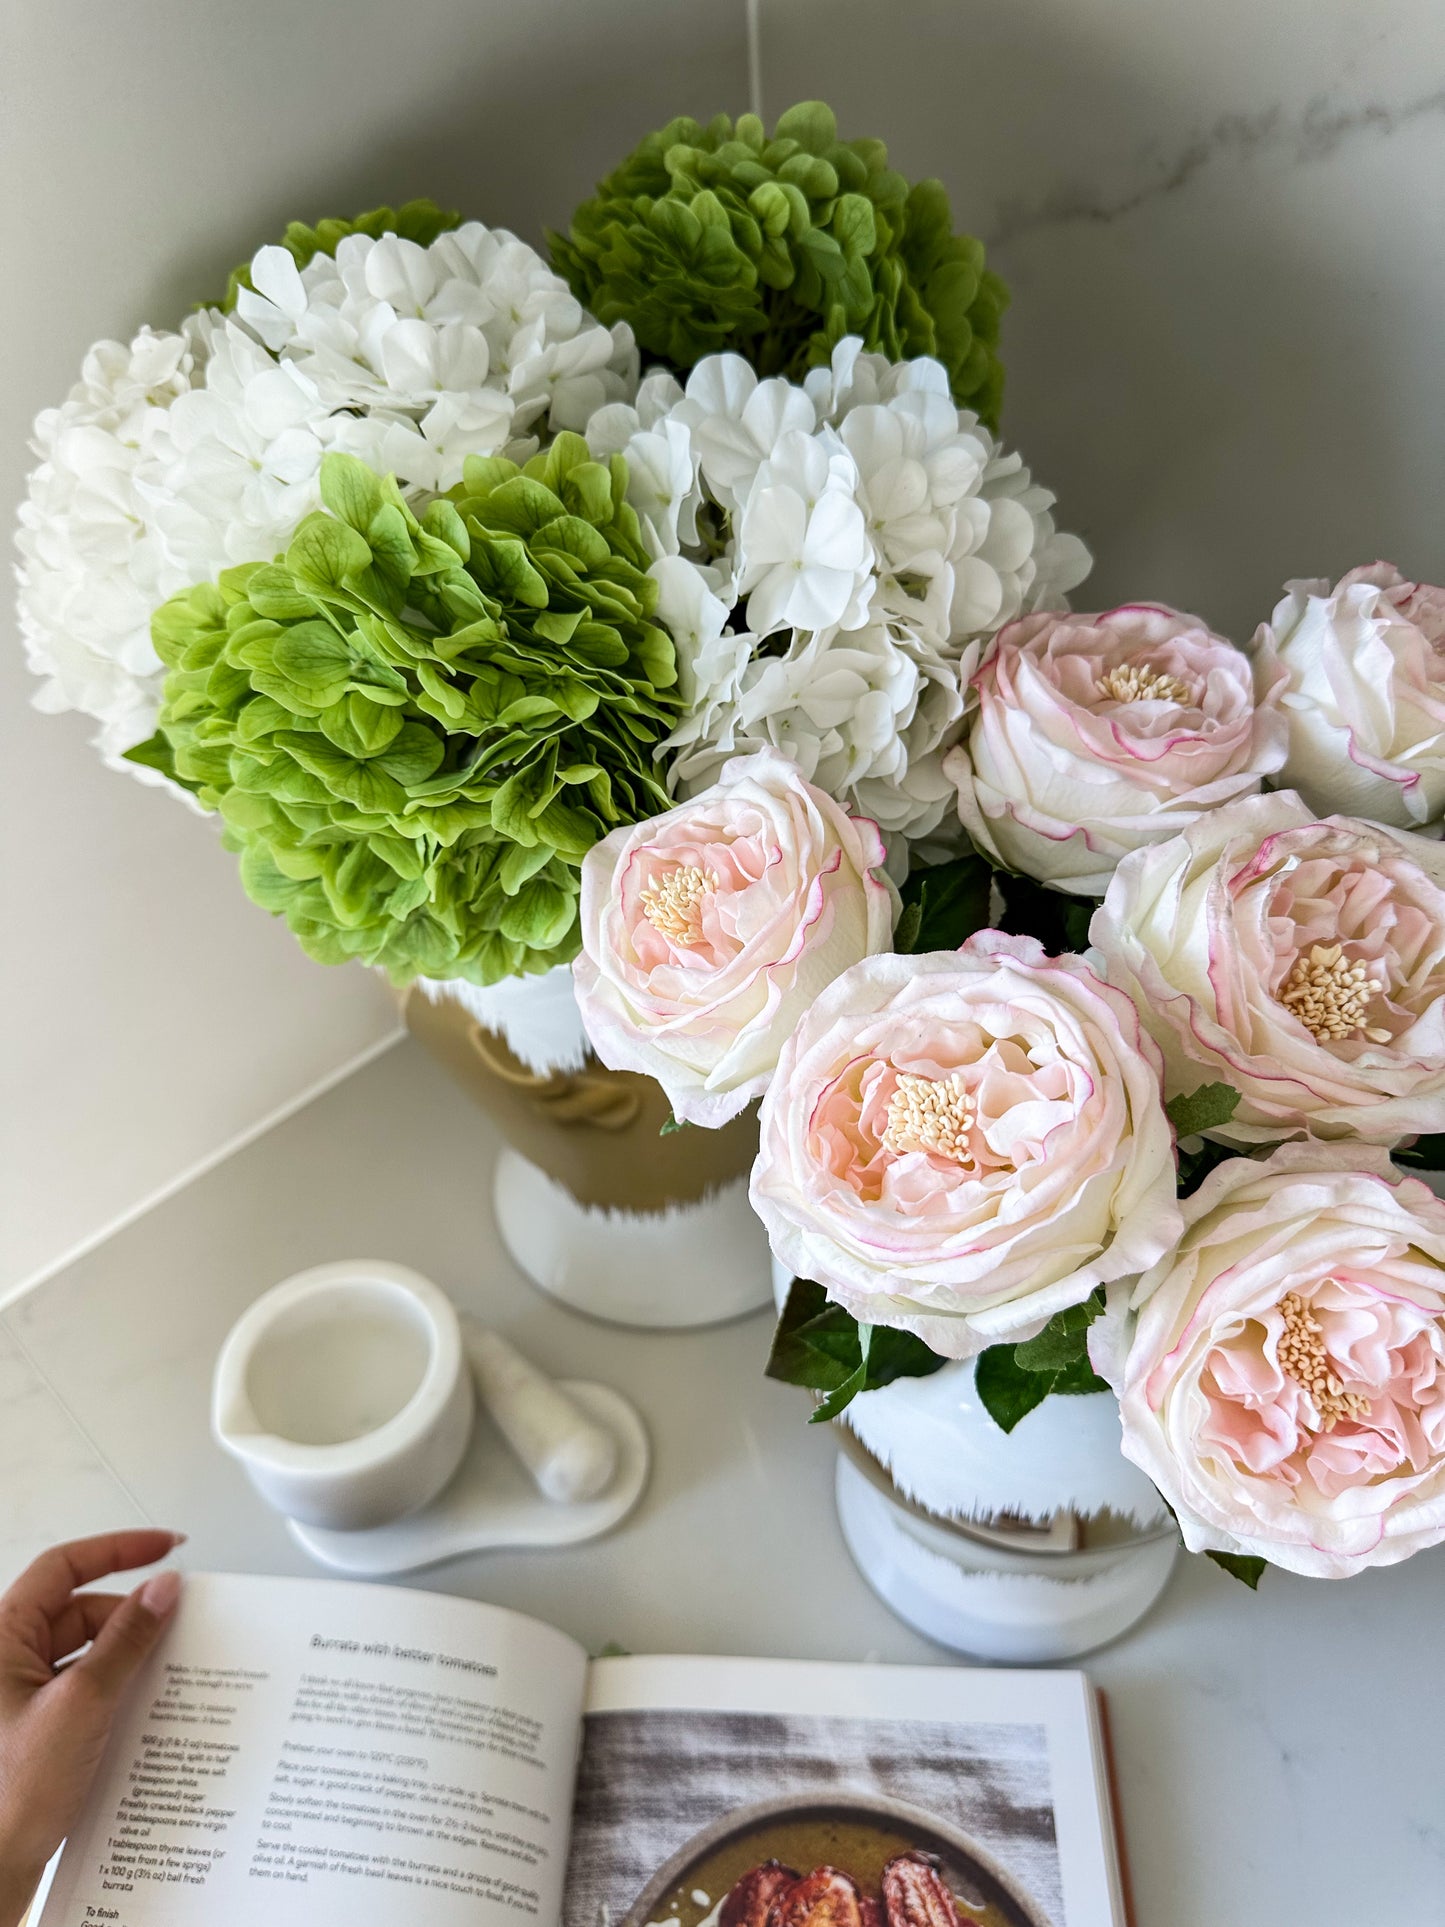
x=898, y=1354
x=413, y=755
x=570, y=832
x=363, y=784
x=443, y=524
x=351, y=490
x=943, y=905
x=587, y=490
x=272, y=592
x=1078, y=1378
x=503, y=569
x=540, y=914
x=512, y=807
x=853, y=223
x=811, y=124
x=671, y=1124
x=156, y=753
x=1245, y=1567
x=1013, y=1379
x=189, y=615
x=519, y=866
x=317, y=660
x=910, y=922
x=1064, y=1340
x=393, y=553
x=824, y=254
x=557, y=626
x=359, y=726
x=1050, y=1351
x=819, y=1345
x=1006, y=1391
x=816, y=1342
x=836, y=1401
x=1202, y=1109
x=522, y=506
x=325, y=552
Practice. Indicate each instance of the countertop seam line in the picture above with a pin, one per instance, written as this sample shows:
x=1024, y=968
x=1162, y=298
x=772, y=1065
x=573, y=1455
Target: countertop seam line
x=12, y=1295
x=13, y=1332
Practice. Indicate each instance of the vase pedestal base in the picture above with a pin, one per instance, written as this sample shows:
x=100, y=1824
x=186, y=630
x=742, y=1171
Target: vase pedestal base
x=691, y=1265
x=1015, y=1608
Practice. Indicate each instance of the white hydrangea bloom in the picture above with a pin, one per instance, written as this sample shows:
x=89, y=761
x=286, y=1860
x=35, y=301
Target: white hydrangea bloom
x=92, y=565
x=239, y=463
x=738, y=421
x=865, y=713
x=462, y=348
x=856, y=541
x=186, y=453
x=805, y=560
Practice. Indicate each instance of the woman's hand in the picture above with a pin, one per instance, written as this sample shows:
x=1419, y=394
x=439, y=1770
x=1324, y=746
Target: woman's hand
x=55, y=1719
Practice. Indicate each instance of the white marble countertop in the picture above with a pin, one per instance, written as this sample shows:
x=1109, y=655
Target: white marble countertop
x=1281, y=1758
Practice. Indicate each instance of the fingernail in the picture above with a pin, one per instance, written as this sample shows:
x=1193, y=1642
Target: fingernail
x=178, y=1539
x=159, y=1595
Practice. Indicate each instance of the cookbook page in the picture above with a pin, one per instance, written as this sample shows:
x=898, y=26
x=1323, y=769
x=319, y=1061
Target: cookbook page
x=308, y=1752
x=858, y=1796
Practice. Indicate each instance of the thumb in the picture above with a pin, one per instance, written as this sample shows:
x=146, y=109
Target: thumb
x=129, y=1636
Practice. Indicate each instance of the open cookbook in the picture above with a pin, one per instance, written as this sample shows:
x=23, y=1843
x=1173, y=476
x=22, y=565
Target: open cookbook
x=309, y=1751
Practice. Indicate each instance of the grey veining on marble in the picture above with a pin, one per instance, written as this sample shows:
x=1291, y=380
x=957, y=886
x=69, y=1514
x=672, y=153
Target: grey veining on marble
x=1315, y=133
x=1280, y=1756
x=54, y=1482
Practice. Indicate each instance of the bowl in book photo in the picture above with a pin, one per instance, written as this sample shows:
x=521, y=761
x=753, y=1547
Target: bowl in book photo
x=835, y=1860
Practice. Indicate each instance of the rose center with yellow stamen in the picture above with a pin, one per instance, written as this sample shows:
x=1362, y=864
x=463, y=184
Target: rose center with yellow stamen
x=673, y=905
x=1132, y=682
x=1303, y=1356
x=1331, y=996
x=929, y=1114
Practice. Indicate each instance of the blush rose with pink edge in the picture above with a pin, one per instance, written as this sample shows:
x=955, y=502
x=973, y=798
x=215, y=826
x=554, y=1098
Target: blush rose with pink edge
x=1281, y=1373
x=964, y=1143
x=1299, y=960
x=1364, y=666
x=1087, y=737
x=708, y=931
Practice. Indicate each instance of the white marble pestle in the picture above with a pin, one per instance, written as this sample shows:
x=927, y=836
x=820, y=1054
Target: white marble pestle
x=570, y=1456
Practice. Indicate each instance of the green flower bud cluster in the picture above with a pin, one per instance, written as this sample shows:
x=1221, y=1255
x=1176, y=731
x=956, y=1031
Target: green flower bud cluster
x=419, y=221
x=415, y=730
x=714, y=238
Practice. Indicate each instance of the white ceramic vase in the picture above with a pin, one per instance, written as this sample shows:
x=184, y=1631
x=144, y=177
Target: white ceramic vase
x=987, y=1597
x=1021, y=1547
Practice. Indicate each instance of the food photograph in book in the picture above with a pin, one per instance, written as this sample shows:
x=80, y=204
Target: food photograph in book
x=727, y=1819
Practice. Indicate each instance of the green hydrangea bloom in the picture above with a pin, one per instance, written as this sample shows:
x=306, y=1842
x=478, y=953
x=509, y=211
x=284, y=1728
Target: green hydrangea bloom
x=419, y=221
x=415, y=731
x=717, y=237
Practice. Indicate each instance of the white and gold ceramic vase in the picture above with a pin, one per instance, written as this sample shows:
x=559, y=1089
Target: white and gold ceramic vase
x=594, y=1202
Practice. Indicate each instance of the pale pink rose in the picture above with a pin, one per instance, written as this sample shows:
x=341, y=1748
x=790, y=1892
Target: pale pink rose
x=1284, y=1385
x=965, y=1142
x=707, y=932
x=1300, y=961
x=1090, y=736
x=1365, y=704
